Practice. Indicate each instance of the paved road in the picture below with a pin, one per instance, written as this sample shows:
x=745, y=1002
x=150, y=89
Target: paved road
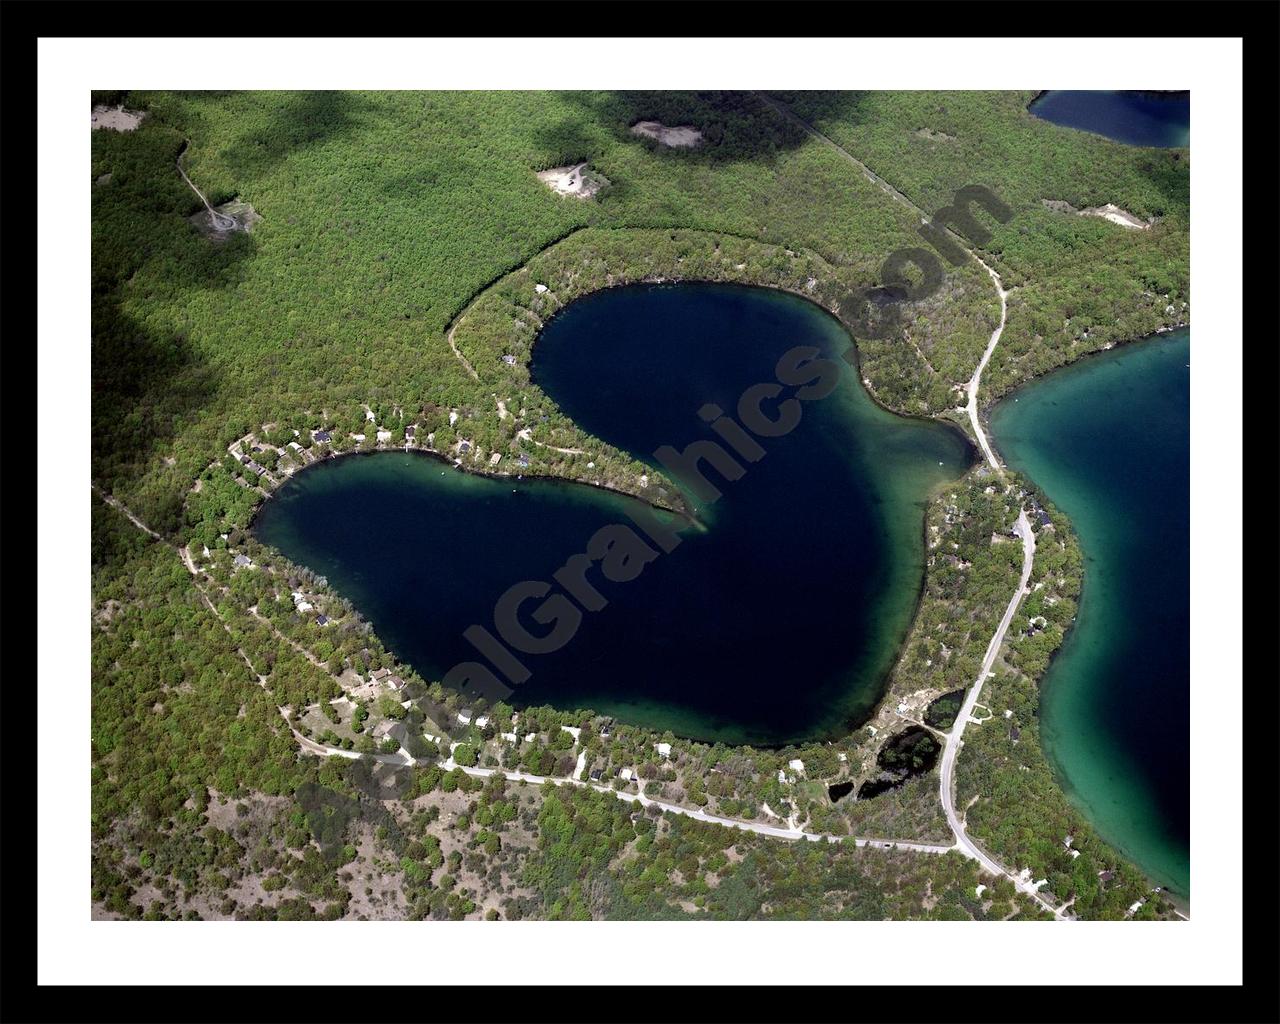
x=955, y=742
x=903, y=200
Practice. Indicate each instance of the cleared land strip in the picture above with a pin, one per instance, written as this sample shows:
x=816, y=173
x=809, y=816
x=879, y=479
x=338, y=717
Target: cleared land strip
x=404, y=759
x=219, y=220
x=471, y=371
x=903, y=200
x=119, y=507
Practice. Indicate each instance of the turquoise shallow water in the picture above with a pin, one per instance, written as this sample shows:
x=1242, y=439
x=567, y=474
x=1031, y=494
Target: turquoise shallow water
x=1108, y=440
x=778, y=622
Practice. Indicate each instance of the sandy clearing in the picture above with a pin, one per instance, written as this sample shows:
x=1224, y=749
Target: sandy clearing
x=220, y=222
x=1116, y=215
x=116, y=119
x=929, y=133
x=681, y=136
x=1111, y=212
x=577, y=180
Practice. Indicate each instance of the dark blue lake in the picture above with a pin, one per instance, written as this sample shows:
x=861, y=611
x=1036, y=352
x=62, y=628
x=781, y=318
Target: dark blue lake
x=1136, y=118
x=775, y=620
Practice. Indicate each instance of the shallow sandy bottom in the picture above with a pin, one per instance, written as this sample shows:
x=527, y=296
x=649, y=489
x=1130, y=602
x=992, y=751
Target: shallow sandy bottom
x=117, y=119
x=680, y=136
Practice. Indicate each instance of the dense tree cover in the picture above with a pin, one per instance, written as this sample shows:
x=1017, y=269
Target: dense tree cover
x=389, y=219
x=1078, y=283
x=601, y=858
x=383, y=215
x=1021, y=813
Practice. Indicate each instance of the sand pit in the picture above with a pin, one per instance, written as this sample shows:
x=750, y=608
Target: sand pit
x=578, y=180
x=1116, y=215
x=1109, y=212
x=116, y=119
x=225, y=220
x=682, y=136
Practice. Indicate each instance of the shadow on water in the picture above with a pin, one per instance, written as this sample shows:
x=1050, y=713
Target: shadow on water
x=941, y=712
x=838, y=790
x=912, y=752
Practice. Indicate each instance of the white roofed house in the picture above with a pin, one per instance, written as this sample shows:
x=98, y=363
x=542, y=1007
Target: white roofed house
x=664, y=749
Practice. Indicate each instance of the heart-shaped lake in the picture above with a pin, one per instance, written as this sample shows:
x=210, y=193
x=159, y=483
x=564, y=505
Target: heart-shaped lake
x=775, y=620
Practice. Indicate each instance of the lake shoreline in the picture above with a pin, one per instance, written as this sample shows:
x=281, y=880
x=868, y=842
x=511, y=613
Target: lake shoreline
x=1136, y=806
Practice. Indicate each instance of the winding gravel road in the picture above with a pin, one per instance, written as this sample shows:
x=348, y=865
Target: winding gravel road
x=954, y=741
x=220, y=220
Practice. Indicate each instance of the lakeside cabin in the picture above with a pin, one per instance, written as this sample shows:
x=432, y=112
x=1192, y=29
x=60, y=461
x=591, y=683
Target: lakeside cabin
x=321, y=436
